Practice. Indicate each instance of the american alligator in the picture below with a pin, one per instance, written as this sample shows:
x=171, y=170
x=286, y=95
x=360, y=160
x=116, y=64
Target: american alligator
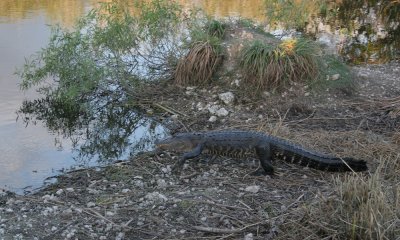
x=265, y=147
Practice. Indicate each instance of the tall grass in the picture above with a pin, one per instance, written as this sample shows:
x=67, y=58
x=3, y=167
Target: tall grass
x=265, y=66
x=198, y=65
x=215, y=28
x=204, y=54
x=363, y=208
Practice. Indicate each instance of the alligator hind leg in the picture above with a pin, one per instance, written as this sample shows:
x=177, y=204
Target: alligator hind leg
x=189, y=155
x=264, y=154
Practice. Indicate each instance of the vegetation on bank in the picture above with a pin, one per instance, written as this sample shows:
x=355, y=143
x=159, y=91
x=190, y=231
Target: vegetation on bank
x=265, y=66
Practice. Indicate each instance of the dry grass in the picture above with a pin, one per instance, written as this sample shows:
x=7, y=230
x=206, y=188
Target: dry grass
x=361, y=208
x=273, y=67
x=199, y=64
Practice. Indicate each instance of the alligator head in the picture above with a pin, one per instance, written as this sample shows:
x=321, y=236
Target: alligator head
x=183, y=142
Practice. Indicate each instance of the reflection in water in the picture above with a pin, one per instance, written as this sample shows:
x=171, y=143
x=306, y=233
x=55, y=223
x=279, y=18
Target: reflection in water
x=110, y=131
x=251, y=9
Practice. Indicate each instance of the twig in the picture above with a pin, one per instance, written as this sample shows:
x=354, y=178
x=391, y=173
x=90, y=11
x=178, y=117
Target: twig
x=225, y=230
x=168, y=109
x=220, y=205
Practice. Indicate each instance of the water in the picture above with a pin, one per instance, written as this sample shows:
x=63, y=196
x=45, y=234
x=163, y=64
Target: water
x=29, y=154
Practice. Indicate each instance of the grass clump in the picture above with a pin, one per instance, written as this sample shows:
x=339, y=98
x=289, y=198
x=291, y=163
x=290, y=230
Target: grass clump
x=215, y=28
x=199, y=64
x=266, y=66
x=364, y=208
x=204, y=54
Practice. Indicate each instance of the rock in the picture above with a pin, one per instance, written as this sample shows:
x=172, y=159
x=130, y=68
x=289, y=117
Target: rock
x=125, y=190
x=154, y=196
x=200, y=106
x=162, y=183
x=222, y=112
x=267, y=94
x=212, y=119
x=335, y=77
x=69, y=189
x=236, y=83
x=90, y=204
x=227, y=98
x=59, y=191
x=213, y=108
x=252, y=189
x=248, y=236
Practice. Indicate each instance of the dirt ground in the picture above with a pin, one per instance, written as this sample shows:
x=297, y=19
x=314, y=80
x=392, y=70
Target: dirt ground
x=219, y=199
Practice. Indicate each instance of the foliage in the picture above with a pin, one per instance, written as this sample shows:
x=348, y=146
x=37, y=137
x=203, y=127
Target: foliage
x=203, y=53
x=291, y=13
x=266, y=66
x=215, y=28
x=331, y=66
x=199, y=64
x=84, y=74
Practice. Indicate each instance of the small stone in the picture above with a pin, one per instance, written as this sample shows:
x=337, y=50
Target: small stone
x=212, y=119
x=222, y=112
x=252, y=189
x=69, y=189
x=59, y=191
x=125, y=190
x=161, y=183
x=54, y=228
x=227, y=98
x=306, y=94
x=90, y=204
x=248, y=236
x=335, y=77
x=109, y=213
x=236, y=82
x=120, y=236
x=175, y=116
x=213, y=108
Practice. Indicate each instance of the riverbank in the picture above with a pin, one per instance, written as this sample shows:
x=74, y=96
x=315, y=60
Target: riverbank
x=141, y=198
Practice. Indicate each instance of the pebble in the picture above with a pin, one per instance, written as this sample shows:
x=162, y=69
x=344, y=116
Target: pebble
x=252, y=189
x=222, y=112
x=212, y=119
x=227, y=97
x=59, y=191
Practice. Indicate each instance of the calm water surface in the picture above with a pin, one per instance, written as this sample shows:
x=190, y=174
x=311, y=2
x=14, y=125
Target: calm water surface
x=29, y=154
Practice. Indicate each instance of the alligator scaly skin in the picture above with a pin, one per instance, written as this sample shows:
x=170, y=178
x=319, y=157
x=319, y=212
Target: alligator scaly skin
x=265, y=147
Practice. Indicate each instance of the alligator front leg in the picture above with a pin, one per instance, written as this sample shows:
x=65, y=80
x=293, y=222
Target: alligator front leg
x=189, y=155
x=264, y=154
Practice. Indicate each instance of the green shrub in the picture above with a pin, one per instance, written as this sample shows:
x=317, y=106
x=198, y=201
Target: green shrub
x=266, y=66
x=215, y=28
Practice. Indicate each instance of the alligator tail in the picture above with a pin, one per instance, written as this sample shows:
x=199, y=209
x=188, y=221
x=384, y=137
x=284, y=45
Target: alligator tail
x=322, y=162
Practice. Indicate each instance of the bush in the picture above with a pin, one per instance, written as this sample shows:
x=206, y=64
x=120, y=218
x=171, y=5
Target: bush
x=266, y=66
x=199, y=64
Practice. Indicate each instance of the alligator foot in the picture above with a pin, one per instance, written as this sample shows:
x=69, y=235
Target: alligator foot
x=261, y=172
